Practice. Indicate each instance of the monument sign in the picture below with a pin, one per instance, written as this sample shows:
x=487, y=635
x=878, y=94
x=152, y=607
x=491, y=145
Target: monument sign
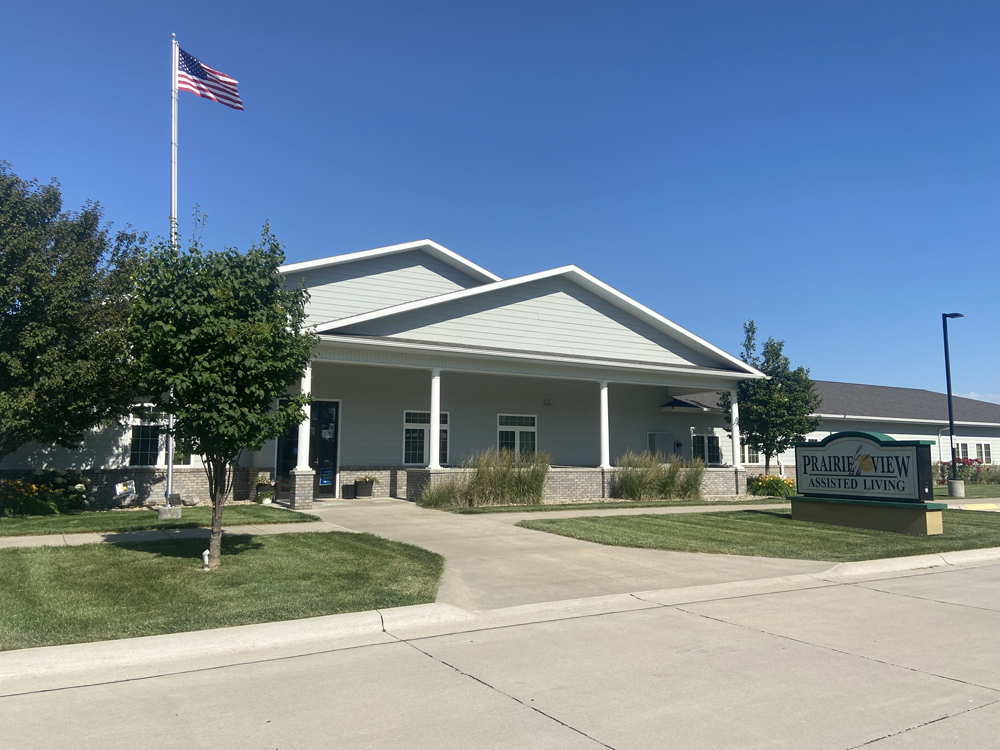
x=867, y=480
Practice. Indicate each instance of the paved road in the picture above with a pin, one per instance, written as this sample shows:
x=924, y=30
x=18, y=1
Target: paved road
x=491, y=563
x=900, y=663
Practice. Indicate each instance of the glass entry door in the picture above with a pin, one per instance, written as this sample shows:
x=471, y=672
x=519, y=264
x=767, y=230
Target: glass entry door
x=324, y=435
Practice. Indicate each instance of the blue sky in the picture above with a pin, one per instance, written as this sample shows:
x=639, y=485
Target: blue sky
x=829, y=169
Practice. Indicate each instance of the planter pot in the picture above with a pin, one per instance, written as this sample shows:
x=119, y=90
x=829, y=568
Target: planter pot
x=363, y=488
x=347, y=492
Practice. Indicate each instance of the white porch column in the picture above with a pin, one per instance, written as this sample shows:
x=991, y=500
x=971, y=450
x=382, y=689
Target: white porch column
x=735, y=423
x=605, y=428
x=302, y=462
x=434, y=461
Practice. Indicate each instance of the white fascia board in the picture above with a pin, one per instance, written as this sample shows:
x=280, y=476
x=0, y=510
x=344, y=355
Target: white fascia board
x=429, y=246
x=580, y=277
x=365, y=342
x=902, y=420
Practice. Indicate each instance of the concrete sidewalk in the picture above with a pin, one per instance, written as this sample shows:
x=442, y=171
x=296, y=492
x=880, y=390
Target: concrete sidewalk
x=156, y=535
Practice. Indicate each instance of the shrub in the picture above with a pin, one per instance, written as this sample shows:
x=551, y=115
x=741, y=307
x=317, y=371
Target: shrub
x=45, y=493
x=647, y=476
x=969, y=470
x=989, y=475
x=770, y=485
x=493, y=477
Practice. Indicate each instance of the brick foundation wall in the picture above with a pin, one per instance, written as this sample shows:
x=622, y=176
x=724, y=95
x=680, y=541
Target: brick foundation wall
x=392, y=480
x=577, y=483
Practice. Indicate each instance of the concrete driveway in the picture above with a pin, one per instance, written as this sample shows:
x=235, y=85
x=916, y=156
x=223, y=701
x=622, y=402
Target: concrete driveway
x=491, y=563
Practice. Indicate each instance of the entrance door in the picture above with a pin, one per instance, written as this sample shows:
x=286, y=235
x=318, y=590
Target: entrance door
x=324, y=435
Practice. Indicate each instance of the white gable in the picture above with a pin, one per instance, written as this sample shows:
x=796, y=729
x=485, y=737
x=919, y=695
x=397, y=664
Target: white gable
x=372, y=283
x=550, y=315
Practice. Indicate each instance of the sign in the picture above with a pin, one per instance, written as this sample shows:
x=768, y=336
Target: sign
x=865, y=466
x=325, y=477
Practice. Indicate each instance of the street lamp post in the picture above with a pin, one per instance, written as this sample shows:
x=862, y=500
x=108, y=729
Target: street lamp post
x=955, y=488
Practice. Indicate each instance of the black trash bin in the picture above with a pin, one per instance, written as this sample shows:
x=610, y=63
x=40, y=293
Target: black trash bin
x=347, y=492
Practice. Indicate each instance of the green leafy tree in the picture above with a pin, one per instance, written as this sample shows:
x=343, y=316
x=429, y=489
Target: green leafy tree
x=776, y=412
x=218, y=341
x=64, y=307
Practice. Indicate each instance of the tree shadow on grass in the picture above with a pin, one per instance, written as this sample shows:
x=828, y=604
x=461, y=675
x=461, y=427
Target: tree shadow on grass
x=191, y=549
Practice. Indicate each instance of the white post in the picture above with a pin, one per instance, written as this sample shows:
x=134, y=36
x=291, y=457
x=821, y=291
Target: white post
x=302, y=460
x=735, y=421
x=170, y=458
x=434, y=459
x=605, y=428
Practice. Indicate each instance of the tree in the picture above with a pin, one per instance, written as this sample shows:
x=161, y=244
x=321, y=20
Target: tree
x=776, y=412
x=218, y=341
x=64, y=306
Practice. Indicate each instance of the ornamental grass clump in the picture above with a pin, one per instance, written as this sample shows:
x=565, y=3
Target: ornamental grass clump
x=770, y=485
x=652, y=476
x=492, y=477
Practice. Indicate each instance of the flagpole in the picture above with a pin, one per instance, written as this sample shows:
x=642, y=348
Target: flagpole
x=173, y=233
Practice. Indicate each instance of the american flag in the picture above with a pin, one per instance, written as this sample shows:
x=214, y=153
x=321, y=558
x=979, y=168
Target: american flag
x=196, y=77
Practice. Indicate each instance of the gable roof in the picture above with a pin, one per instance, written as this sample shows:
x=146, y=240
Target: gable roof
x=428, y=246
x=874, y=401
x=575, y=275
x=840, y=399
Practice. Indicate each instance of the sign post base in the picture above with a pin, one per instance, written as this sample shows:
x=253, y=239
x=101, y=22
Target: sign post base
x=921, y=519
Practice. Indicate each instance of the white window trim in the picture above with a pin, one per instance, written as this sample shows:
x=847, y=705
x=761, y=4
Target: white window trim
x=707, y=434
x=745, y=455
x=517, y=428
x=427, y=443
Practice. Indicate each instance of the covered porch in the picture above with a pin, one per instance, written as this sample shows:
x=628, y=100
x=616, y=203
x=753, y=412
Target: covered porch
x=407, y=417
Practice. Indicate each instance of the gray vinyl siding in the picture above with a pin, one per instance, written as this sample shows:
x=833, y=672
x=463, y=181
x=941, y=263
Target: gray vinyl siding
x=552, y=315
x=348, y=289
x=104, y=448
x=373, y=400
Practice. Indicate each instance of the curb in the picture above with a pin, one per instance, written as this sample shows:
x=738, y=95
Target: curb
x=862, y=568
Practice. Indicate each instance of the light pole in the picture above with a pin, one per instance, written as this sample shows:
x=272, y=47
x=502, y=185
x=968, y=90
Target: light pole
x=953, y=488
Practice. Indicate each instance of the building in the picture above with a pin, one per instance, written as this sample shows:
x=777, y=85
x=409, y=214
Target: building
x=425, y=358
x=902, y=413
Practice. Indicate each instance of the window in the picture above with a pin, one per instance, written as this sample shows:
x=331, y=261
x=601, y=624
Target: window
x=706, y=447
x=749, y=454
x=517, y=432
x=145, y=450
x=963, y=450
x=983, y=453
x=416, y=440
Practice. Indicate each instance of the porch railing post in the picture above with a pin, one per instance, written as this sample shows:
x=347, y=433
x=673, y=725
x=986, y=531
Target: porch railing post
x=735, y=419
x=605, y=428
x=302, y=460
x=434, y=459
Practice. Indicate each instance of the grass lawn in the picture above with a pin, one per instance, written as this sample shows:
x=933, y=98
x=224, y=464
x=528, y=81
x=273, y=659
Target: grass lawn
x=143, y=520
x=609, y=506
x=95, y=592
x=971, y=491
x=769, y=533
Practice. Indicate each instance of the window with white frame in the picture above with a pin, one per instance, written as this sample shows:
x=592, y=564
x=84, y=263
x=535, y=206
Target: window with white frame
x=749, y=454
x=706, y=447
x=416, y=438
x=963, y=450
x=983, y=453
x=518, y=433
